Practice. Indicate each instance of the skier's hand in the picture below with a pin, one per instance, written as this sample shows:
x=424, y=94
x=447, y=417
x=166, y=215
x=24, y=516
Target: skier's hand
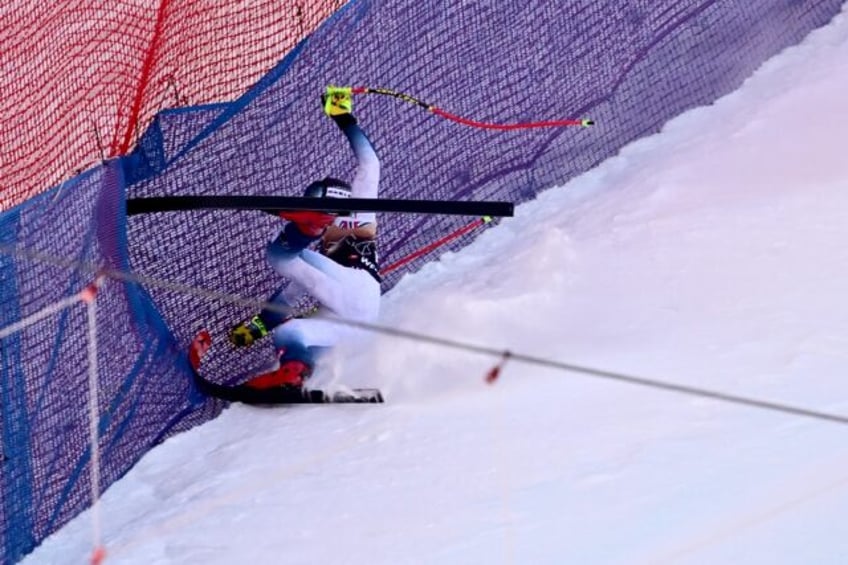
x=337, y=100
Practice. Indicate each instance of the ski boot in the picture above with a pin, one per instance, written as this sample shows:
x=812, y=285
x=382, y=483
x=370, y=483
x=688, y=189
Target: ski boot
x=289, y=373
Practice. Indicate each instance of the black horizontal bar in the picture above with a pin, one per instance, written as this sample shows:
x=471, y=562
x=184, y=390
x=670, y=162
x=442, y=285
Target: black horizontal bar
x=274, y=204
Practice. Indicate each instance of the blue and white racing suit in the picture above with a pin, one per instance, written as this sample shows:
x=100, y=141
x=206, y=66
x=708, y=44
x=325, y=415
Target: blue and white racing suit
x=344, y=276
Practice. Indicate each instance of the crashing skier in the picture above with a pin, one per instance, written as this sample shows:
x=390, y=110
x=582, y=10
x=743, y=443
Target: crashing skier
x=342, y=276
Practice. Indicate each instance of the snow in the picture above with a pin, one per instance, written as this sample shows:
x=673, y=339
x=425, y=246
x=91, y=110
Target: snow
x=710, y=255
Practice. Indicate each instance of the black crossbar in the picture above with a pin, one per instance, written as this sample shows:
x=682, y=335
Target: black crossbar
x=275, y=204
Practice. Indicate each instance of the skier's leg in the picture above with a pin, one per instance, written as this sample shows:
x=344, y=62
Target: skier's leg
x=285, y=248
x=321, y=277
x=298, y=344
x=285, y=298
x=299, y=341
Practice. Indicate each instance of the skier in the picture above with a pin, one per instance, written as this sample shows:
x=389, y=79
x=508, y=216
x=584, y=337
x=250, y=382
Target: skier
x=343, y=276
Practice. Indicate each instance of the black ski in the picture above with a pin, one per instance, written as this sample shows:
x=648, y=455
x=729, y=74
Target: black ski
x=276, y=204
x=276, y=395
x=287, y=395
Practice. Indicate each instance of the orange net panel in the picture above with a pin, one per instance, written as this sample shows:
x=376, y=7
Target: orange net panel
x=80, y=79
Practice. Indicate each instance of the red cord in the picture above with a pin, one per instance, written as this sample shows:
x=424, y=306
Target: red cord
x=466, y=121
x=528, y=125
x=428, y=248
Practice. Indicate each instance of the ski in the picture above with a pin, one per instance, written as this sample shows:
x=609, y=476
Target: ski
x=287, y=395
x=341, y=206
x=354, y=396
x=277, y=395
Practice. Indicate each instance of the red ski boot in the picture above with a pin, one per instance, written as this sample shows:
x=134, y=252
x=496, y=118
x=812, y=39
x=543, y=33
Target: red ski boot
x=290, y=373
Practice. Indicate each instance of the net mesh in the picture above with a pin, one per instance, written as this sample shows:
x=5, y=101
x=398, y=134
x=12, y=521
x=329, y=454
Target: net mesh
x=80, y=79
x=630, y=66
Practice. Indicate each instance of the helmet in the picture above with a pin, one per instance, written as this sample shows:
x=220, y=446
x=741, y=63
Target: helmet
x=328, y=187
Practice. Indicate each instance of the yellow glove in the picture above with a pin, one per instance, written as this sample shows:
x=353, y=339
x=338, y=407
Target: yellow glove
x=338, y=100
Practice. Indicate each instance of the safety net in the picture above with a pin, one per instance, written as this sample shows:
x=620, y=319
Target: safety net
x=81, y=79
x=630, y=66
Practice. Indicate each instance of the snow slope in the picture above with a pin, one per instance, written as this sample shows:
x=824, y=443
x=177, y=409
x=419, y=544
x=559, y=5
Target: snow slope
x=711, y=255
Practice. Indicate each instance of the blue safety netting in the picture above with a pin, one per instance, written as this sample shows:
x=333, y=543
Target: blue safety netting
x=630, y=66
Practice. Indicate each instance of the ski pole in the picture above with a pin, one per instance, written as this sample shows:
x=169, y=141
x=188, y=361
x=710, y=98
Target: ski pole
x=434, y=245
x=583, y=122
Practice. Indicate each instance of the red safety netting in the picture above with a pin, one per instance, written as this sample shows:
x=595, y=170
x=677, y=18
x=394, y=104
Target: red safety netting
x=80, y=79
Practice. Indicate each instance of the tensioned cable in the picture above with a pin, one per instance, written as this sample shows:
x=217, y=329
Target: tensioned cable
x=129, y=276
